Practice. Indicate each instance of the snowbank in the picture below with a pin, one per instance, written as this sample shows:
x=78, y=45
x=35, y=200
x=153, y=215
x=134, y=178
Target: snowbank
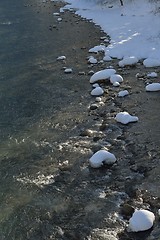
x=134, y=28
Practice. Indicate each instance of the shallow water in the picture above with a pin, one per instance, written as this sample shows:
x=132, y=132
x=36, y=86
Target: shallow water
x=40, y=110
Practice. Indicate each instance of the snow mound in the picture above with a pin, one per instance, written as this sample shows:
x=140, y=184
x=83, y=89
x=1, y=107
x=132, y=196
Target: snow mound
x=98, y=91
x=123, y=93
x=107, y=59
x=102, y=157
x=116, y=78
x=125, y=118
x=141, y=220
x=151, y=62
x=92, y=60
x=102, y=75
x=96, y=49
x=128, y=61
x=153, y=87
x=152, y=75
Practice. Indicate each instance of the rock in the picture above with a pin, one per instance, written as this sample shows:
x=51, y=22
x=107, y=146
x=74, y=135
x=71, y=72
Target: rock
x=127, y=210
x=61, y=58
x=141, y=220
x=93, y=107
x=102, y=157
x=91, y=72
x=87, y=133
x=81, y=73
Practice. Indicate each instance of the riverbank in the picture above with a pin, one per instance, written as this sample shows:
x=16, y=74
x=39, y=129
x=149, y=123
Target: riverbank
x=53, y=193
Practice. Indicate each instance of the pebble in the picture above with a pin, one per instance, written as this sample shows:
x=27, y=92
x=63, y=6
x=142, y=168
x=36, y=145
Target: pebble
x=90, y=73
x=93, y=107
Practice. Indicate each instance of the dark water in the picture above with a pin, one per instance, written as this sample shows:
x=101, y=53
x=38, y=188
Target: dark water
x=31, y=100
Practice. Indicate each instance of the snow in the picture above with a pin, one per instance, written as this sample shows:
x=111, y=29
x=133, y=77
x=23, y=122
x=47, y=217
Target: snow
x=125, y=118
x=123, y=93
x=128, y=61
x=153, y=87
x=141, y=220
x=96, y=49
x=98, y=91
x=102, y=75
x=102, y=157
x=134, y=29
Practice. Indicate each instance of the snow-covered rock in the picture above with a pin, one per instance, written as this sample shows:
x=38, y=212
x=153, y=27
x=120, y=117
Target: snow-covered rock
x=56, y=14
x=152, y=75
x=59, y=19
x=95, y=85
x=123, y=93
x=116, y=78
x=153, y=87
x=96, y=49
x=98, y=91
x=102, y=157
x=141, y=220
x=125, y=118
x=102, y=75
x=116, y=84
x=92, y=60
x=68, y=70
x=107, y=58
x=128, y=61
x=151, y=62
x=61, y=58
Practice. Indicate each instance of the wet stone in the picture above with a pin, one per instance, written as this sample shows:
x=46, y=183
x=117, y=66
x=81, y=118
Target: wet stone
x=93, y=106
x=127, y=210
